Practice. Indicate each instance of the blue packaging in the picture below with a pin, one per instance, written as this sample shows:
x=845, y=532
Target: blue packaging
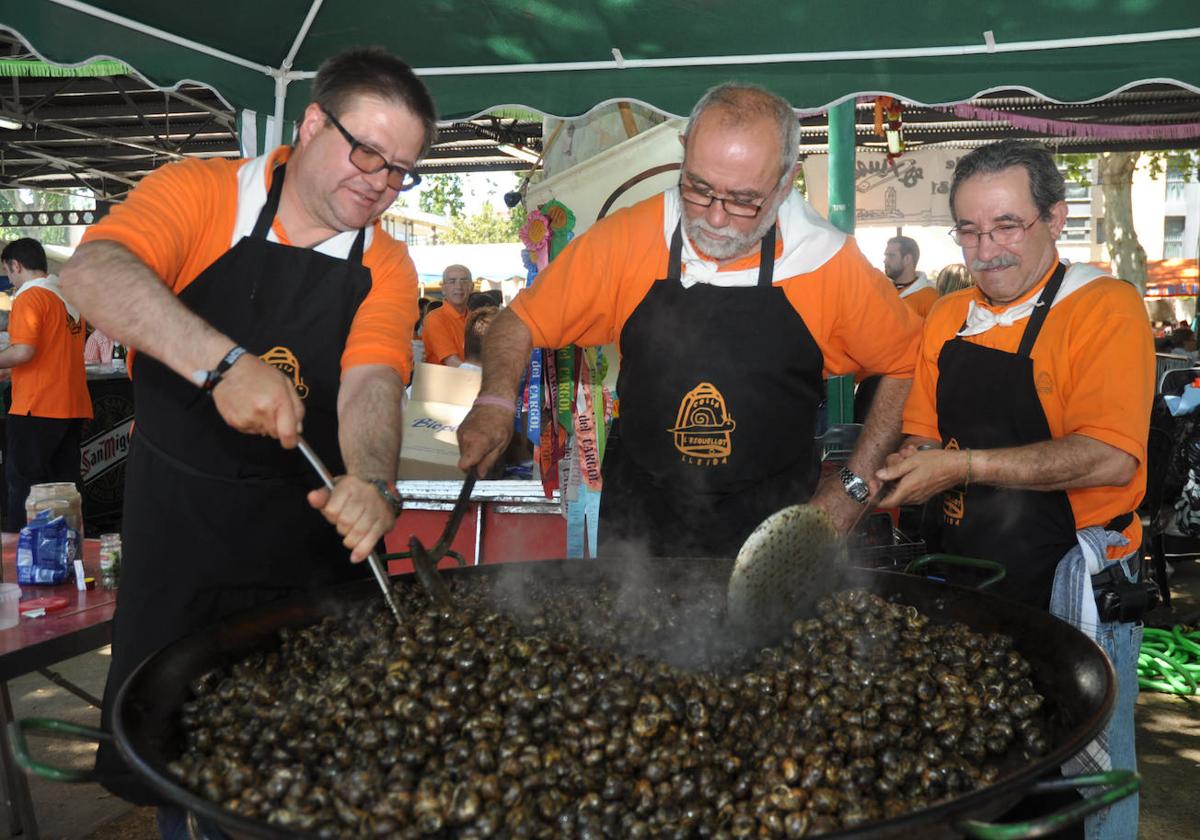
x=46, y=550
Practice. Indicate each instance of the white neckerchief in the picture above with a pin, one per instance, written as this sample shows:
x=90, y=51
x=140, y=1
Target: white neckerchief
x=809, y=242
x=252, y=195
x=921, y=282
x=50, y=284
x=980, y=320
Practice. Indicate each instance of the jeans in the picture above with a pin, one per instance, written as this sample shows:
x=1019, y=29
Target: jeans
x=1121, y=642
x=172, y=823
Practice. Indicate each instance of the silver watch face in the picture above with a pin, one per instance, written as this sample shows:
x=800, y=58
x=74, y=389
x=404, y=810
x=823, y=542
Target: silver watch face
x=856, y=487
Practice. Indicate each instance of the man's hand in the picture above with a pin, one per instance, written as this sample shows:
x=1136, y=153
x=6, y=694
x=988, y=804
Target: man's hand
x=257, y=399
x=483, y=436
x=920, y=475
x=358, y=511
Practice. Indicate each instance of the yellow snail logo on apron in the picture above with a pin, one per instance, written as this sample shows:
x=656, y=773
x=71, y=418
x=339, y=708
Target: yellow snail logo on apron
x=703, y=429
x=954, y=500
x=285, y=360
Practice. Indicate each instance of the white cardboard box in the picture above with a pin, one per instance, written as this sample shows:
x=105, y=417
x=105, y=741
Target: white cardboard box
x=440, y=399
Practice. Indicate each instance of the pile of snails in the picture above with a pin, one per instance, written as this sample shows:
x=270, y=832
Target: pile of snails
x=576, y=711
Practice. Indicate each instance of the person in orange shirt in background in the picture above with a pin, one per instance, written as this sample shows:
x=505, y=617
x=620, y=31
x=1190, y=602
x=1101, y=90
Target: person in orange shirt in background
x=900, y=265
x=731, y=299
x=50, y=399
x=1029, y=414
x=443, y=329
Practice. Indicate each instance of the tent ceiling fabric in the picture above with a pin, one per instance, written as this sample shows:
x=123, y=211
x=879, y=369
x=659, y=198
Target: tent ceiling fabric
x=559, y=58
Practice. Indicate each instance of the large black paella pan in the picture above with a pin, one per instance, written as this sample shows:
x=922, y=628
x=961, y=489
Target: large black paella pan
x=1070, y=672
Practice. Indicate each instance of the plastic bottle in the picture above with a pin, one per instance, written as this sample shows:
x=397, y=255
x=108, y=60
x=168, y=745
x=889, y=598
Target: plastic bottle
x=110, y=560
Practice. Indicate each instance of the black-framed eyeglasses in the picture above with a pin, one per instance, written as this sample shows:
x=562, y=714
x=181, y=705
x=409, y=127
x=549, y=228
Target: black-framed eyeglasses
x=732, y=206
x=1005, y=233
x=369, y=161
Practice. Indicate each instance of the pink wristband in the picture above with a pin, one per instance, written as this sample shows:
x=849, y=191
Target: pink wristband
x=499, y=402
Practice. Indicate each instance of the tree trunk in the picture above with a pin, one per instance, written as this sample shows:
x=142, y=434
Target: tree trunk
x=1126, y=254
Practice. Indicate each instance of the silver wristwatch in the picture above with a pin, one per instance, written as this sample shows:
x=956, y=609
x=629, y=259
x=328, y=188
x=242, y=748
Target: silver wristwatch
x=856, y=487
x=389, y=494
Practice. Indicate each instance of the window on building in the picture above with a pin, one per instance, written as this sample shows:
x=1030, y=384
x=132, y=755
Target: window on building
x=1177, y=178
x=1077, y=229
x=1173, y=237
x=1100, y=231
x=1077, y=191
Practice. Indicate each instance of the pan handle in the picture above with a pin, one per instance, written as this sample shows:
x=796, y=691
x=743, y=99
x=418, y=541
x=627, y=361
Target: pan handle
x=60, y=729
x=997, y=569
x=1115, y=785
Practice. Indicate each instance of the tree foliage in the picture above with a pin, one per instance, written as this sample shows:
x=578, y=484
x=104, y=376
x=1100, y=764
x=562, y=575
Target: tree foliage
x=488, y=226
x=443, y=195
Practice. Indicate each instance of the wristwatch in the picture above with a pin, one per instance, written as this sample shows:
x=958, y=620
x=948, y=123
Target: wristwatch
x=389, y=494
x=856, y=487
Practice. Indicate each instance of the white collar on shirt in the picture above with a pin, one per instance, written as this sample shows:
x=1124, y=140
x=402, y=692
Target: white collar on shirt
x=919, y=283
x=981, y=319
x=809, y=242
x=252, y=195
x=50, y=284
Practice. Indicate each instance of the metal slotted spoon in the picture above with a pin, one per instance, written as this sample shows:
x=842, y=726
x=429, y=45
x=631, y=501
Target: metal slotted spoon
x=788, y=563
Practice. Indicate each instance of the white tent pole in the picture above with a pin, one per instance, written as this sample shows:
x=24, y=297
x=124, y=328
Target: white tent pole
x=984, y=48
x=275, y=127
x=300, y=36
x=154, y=32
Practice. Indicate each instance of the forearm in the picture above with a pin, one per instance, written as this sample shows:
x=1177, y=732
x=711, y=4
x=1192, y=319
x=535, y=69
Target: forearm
x=1067, y=463
x=506, y=350
x=125, y=299
x=17, y=354
x=881, y=434
x=371, y=421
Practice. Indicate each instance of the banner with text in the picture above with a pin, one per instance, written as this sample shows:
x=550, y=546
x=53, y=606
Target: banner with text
x=913, y=190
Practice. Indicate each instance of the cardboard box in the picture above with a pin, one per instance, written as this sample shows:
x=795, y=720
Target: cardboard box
x=441, y=397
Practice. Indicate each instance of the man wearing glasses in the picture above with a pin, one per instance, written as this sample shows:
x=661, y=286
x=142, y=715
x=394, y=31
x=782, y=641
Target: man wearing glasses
x=731, y=300
x=1029, y=414
x=260, y=295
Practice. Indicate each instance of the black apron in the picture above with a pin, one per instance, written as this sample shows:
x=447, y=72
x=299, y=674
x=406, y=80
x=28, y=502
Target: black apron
x=216, y=521
x=987, y=399
x=719, y=390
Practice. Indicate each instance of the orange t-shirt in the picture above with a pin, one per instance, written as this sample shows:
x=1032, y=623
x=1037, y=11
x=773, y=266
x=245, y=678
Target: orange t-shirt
x=921, y=301
x=444, y=332
x=54, y=382
x=588, y=292
x=181, y=218
x=1094, y=368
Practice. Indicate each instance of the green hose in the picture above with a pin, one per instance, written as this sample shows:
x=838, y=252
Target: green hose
x=1169, y=661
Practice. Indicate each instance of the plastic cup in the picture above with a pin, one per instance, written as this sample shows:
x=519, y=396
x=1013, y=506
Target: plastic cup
x=10, y=602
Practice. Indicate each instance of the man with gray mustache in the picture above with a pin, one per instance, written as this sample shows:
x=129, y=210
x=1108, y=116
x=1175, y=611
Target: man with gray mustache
x=1029, y=415
x=730, y=300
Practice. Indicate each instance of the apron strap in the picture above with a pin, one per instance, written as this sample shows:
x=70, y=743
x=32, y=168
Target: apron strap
x=266, y=216
x=766, y=257
x=766, y=260
x=1045, y=301
x=675, y=260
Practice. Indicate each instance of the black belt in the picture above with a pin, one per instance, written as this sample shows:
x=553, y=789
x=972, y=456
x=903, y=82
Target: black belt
x=1110, y=575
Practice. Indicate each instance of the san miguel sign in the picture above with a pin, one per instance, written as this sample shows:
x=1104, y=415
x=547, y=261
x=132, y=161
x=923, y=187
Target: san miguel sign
x=103, y=452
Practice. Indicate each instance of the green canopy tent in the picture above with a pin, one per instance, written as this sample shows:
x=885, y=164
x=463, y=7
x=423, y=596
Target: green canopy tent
x=565, y=58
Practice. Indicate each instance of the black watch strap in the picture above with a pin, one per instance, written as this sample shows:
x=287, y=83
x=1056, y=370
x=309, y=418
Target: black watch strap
x=209, y=379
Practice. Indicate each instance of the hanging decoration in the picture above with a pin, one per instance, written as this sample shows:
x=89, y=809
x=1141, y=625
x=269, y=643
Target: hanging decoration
x=536, y=233
x=1066, y=128
x=889, y=124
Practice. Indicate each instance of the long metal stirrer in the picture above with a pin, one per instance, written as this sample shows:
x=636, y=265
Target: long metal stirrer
x=372, y=559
